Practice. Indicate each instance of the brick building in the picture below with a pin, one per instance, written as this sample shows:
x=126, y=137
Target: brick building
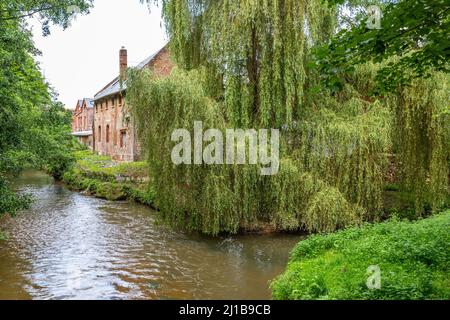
x=114, y=132
x=83, y=122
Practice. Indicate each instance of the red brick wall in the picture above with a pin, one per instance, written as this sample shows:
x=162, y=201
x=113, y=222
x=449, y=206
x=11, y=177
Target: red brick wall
x=82, y=119
x=162, y=64
x=115, y=118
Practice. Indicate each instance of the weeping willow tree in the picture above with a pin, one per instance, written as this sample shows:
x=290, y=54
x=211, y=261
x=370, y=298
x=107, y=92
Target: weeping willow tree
x=245, y=64
x=422, y=141
x=331, y=168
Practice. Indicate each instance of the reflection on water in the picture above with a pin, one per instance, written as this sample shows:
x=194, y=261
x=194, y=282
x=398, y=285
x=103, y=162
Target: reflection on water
x=70, y=246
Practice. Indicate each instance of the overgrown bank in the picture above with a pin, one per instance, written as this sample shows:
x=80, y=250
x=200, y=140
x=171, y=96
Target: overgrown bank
x=103, y=178
x=413, y=257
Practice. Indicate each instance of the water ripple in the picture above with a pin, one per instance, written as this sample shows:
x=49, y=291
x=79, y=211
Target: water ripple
x=70, y=246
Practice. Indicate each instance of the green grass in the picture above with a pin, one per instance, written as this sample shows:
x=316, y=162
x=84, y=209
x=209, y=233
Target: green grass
x=104, y=178
x=414, y=259
x=103, y=167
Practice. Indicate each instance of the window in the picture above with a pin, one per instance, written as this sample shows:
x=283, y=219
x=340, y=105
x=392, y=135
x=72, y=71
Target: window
x=106, y=104
x=107, y=133
x=113, y=102
x=120, y=100
x=99, y=133
x=123, y=138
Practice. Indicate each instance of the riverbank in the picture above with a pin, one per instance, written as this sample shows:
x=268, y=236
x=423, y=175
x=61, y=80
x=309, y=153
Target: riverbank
x=103, y=178
x=413, y=258
x=3, y=219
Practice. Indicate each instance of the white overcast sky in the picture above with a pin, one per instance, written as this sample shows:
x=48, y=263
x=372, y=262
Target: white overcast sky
x=81, y=60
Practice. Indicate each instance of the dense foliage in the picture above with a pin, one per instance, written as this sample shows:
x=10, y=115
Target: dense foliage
x=248, y=64
x=413, y=259
x=46, y=11
x=414, y=31
x=412, y=42
x=34, y=128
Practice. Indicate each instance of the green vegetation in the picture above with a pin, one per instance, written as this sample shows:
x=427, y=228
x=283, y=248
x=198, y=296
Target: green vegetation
x=415, y=32
x=34, y=127
x=252, y=64
x=103, y=178
x=102, y=167
x=414, y=259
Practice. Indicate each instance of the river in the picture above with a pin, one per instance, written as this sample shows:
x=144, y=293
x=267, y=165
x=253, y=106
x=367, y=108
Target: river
x=73, y=246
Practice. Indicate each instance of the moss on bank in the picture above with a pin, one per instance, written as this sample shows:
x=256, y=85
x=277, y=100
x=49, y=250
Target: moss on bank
x=414, y=259
x=103, y=168
x=104, y=178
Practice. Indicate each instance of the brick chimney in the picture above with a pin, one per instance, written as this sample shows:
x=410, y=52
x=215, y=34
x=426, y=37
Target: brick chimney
x=123, y=60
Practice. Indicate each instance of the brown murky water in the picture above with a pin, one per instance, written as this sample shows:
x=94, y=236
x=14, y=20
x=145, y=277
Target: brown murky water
x=71, y=246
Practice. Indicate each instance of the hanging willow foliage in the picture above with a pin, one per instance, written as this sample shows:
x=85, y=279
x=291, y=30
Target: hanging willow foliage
x=210, y=198
x=422, y=141
x=253, y=49
x=244, y=64
x=331, y=168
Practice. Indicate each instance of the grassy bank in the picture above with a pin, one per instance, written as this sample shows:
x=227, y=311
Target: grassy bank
x=104, y=178
x=414, y=259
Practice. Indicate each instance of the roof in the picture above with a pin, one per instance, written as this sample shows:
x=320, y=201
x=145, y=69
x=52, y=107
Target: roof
x=116, y=86
x=78, y=106
x=89, y=102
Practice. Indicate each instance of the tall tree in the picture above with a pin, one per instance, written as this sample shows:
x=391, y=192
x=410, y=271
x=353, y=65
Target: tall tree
x=24, y=93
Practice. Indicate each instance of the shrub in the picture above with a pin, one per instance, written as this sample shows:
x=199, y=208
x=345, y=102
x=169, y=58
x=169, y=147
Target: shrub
x=10, y=202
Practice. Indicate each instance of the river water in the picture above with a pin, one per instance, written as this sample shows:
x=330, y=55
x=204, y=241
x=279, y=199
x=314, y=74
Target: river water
x=72, y=246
